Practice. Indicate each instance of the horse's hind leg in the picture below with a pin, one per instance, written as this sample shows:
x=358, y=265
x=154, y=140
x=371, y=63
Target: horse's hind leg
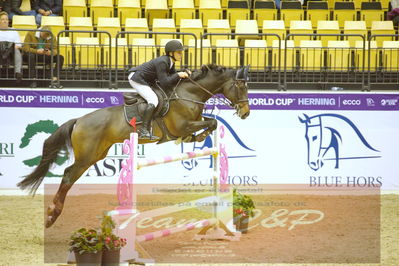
x=71, y=174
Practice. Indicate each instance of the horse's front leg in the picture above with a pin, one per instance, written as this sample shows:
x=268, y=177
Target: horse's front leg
x=208, y=124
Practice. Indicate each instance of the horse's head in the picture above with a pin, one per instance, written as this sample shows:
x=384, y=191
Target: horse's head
x=313, y=136
x=235, y=89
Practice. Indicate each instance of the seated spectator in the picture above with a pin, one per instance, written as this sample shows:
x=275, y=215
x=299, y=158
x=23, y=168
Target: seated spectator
x=40, y=46
x=22, y=7
x=48, y=8
x=9, y=39
x=394, y=13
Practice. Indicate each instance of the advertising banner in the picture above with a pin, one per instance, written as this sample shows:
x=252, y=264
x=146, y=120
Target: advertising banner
x=318, y=139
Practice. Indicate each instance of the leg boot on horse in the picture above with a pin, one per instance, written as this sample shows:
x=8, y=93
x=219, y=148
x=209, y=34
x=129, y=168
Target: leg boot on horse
x=144, y=130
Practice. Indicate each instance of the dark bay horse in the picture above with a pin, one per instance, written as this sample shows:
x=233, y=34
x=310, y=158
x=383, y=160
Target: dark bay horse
x=91, y=135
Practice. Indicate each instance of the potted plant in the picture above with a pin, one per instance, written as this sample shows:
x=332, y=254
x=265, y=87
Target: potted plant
x=243, y=208
x=87, y=246
x=112, y=244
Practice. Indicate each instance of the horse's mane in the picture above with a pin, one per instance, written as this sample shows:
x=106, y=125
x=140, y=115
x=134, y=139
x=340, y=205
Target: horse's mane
x=201, y=73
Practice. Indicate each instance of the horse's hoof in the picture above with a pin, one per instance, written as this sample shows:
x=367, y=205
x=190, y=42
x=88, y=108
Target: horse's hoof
x=49, y=222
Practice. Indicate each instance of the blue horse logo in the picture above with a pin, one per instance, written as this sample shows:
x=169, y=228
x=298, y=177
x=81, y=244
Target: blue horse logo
x=208, y=143
x=321, y=137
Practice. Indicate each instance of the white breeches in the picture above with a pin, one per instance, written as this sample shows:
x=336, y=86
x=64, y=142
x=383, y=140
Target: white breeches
x=144, y=90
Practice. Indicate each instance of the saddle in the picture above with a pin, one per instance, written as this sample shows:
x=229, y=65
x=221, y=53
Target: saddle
x=134, y=105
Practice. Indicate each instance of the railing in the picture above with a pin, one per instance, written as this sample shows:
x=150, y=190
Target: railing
x=276, y=63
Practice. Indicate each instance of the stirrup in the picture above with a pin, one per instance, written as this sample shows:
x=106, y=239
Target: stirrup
x=145, y=134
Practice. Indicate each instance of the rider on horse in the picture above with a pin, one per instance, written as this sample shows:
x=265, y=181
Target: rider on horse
x=162, y=69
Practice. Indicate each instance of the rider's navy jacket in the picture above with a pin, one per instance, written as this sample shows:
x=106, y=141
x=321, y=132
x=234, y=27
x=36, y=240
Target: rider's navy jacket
x=157, y=69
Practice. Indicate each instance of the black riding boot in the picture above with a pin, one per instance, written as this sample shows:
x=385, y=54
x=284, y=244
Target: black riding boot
x=144, y=130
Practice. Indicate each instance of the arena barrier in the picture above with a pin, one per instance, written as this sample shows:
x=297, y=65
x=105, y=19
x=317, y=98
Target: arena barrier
x=219, y=227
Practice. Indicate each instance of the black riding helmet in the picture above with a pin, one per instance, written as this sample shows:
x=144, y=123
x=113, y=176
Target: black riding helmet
x=173, y=46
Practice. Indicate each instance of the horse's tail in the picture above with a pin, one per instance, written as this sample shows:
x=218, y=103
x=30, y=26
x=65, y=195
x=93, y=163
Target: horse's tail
x=60, y=139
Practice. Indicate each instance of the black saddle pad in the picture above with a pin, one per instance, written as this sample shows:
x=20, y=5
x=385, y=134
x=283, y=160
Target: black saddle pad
x=135, y=105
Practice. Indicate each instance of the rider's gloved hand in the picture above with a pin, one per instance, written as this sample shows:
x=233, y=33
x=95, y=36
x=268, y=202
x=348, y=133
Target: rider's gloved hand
x=182, y=75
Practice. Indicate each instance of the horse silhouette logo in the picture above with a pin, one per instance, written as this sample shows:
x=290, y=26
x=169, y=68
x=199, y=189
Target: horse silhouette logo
x=324, y=136
x=190, y=164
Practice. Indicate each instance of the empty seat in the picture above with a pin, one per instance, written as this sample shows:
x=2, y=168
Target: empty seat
x=111, y=25
x=56, y=23
x=355, y=27
x=371, y=11
x=23, y=22
x=317, y=10
x=382, y=27
x=88, y=53
x=338, y=56
x=163, y=25
x=237, y=10
x=136, y=24
x=74, y=8
x=344, y=11
x=291, y=10
x=65, y=49
x=247, y=27
x=264, y=10
x=156, y=9
x=328, y=27
x=119, y=53
x=256, y=54
x=204, y=55
x=280, y=61
x=101, y=8
x=274, y=27
x=227, y=53
x=301, y=27
x=183, y=9
x=218, y=26
x=128, y=9
x=311, y=55
x=390, y=56
x=209, y=9
x=191, y=26
x=359, y=56
x=80, y=24
x=143, y=50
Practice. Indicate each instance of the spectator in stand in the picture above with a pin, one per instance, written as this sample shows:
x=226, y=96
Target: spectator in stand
x=394, y=13
x=39, y=46
x=22, y=7
x=11, y=44
x=48, y=8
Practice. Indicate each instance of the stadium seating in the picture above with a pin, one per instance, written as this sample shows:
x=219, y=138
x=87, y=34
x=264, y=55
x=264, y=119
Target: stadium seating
x=218, y=26
x=163, y=25
x=328, y=27
x=344, y=11
x=311, y=55
x=191, y=26
x=134, y=25
x=182, y=9
x=206, y=55
x=120, y=60
x=237, y=10
x=300, y=27
x=338, y=56
x=248, y=27
x=256, y=54
x=23, y=22
x=290, y=62
x=355, y=27
x=56, y=23
x=227, y=53
x=382, y=27
x=156, y=9
x=390, y=56
x=111, y=25
x=65, y=49
x=88, y=52
x=128, y=9
x=264, y=10
x=80, y=24
x=274, y=27
x=371, y=11
x=209, y=9
x=101, y=8
x=359, y=56
x=74, y=8
x=291, y=10
x=316, y=11
x=143, y=50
